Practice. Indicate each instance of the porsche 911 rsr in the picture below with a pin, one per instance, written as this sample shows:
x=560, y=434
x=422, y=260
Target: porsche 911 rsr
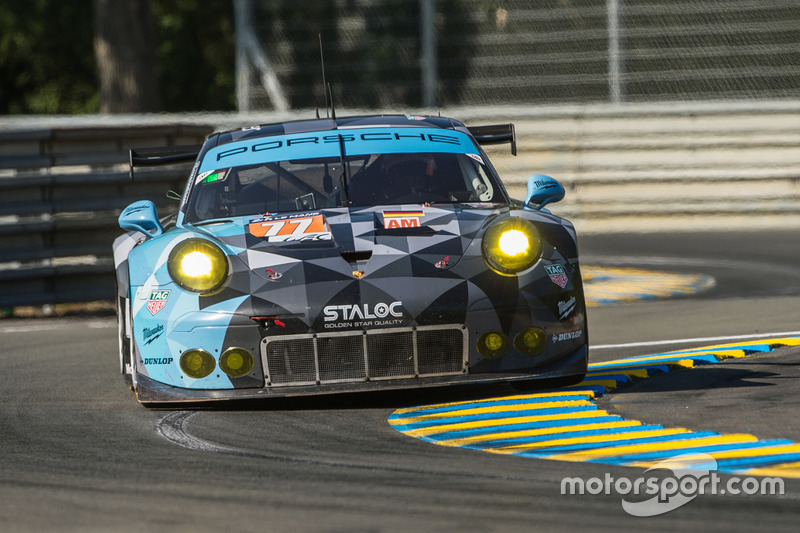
x=349, y=254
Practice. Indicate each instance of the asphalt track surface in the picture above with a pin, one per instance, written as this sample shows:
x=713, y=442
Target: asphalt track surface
x=79, y=454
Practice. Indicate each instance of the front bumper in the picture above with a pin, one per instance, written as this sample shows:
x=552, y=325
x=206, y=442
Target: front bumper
x=572, y=365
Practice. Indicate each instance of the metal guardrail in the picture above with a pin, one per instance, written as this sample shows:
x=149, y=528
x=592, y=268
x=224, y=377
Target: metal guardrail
x=61, y=191
x=663, y=167
x=646, y=167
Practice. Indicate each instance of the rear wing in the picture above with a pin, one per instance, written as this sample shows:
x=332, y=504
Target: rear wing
x=495, y=134
x=168, y=155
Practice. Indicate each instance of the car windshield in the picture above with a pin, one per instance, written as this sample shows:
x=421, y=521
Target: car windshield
x=341, y=168
x=372, y=179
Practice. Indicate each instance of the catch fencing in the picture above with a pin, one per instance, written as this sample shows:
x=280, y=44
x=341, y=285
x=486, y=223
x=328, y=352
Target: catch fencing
x=633, y=167
x=381, y=53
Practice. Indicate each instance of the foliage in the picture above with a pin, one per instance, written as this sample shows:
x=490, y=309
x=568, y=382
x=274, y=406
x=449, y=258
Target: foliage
x=196, y=54
x=46, y=57
x=47, y=61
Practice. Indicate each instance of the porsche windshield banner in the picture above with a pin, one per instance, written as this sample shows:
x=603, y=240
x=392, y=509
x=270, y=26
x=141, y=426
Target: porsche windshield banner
x=326, y=144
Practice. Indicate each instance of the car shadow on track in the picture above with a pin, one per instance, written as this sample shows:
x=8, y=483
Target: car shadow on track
x=390, y=399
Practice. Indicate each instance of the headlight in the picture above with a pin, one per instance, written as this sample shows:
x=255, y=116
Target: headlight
x=197, y=363
x=198, y=265
x=511, y=245
x=236, y=362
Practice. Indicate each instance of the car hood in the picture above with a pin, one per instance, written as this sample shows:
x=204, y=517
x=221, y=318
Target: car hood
x=361, y=242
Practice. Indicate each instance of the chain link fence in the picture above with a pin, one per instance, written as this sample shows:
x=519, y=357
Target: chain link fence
x=390, y=54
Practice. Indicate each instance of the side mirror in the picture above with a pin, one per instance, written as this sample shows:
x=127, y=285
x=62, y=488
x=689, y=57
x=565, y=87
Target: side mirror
x=141, y=216
x=541, y=191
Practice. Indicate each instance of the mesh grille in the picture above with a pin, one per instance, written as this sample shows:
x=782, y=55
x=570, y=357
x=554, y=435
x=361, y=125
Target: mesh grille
x=291, y=361
x=391, y=354
x=341, y=358
x=358, y=356
x=434, y=347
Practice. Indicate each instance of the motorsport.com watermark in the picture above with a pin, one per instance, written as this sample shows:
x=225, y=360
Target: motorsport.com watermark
x=692, y=475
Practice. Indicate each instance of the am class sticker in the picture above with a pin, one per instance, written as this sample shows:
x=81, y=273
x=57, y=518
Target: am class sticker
x=402, y=219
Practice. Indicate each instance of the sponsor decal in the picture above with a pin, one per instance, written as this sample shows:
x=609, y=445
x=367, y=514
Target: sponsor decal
x=157, y=301
x=291, y=228
x=358, y=274
x=545, y=184
x=381, y=314
x=557, y=337
x=157, y=360
x=212, y=176
x=476, y=157
x=134, y=209
x=272, y=275
x=565, y=308
x=557, y=275
x=444, y=263
x=402, y=219
x=151, y=334
x=278, y=144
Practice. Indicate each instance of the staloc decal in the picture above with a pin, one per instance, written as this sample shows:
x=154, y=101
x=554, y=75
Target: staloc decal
x=351, y=312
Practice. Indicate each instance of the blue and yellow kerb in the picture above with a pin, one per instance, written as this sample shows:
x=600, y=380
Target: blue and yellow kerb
x=567, y=425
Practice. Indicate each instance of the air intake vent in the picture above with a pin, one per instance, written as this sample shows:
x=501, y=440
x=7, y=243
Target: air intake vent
x=353, y=257
x=355, y=356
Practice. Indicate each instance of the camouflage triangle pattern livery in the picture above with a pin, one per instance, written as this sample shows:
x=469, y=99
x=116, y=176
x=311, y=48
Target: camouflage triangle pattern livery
x=363, y=253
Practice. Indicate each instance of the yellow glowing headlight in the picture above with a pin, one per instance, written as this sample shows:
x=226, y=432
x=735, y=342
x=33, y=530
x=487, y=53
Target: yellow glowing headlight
x=198, y=265
x=511, y=245
x=236, y=362
x=531, y=341
x=197, y=363
x=492, y=344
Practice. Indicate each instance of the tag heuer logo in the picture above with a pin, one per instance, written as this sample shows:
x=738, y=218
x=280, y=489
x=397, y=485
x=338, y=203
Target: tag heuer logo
x=157, y=301
x=557, y=275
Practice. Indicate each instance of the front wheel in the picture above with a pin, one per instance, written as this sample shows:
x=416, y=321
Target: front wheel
x=124, y=340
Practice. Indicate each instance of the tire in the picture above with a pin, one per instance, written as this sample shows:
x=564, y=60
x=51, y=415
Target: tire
x=124, y=341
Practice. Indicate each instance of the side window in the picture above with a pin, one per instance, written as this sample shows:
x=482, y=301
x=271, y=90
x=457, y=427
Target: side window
x=476, y=179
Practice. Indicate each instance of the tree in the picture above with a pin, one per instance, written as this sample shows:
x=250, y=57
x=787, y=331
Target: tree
x=124, y=46
x=46, y=59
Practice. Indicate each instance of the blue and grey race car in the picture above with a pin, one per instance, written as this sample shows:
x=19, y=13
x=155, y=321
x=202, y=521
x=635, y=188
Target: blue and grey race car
x=347, y=254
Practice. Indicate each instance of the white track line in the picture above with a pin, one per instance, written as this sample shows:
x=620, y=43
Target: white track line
x=696, y=339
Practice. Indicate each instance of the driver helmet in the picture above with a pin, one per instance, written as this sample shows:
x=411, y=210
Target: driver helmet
x=408, y=171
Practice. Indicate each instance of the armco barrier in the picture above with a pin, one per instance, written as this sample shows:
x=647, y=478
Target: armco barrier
x=59, y=205
x=637, y=167
x=669, y=166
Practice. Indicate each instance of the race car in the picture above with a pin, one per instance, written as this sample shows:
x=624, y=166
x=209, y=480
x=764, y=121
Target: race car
x=347, y=254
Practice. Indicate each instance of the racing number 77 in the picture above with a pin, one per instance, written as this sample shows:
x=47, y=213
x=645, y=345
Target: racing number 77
x=285, y=227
